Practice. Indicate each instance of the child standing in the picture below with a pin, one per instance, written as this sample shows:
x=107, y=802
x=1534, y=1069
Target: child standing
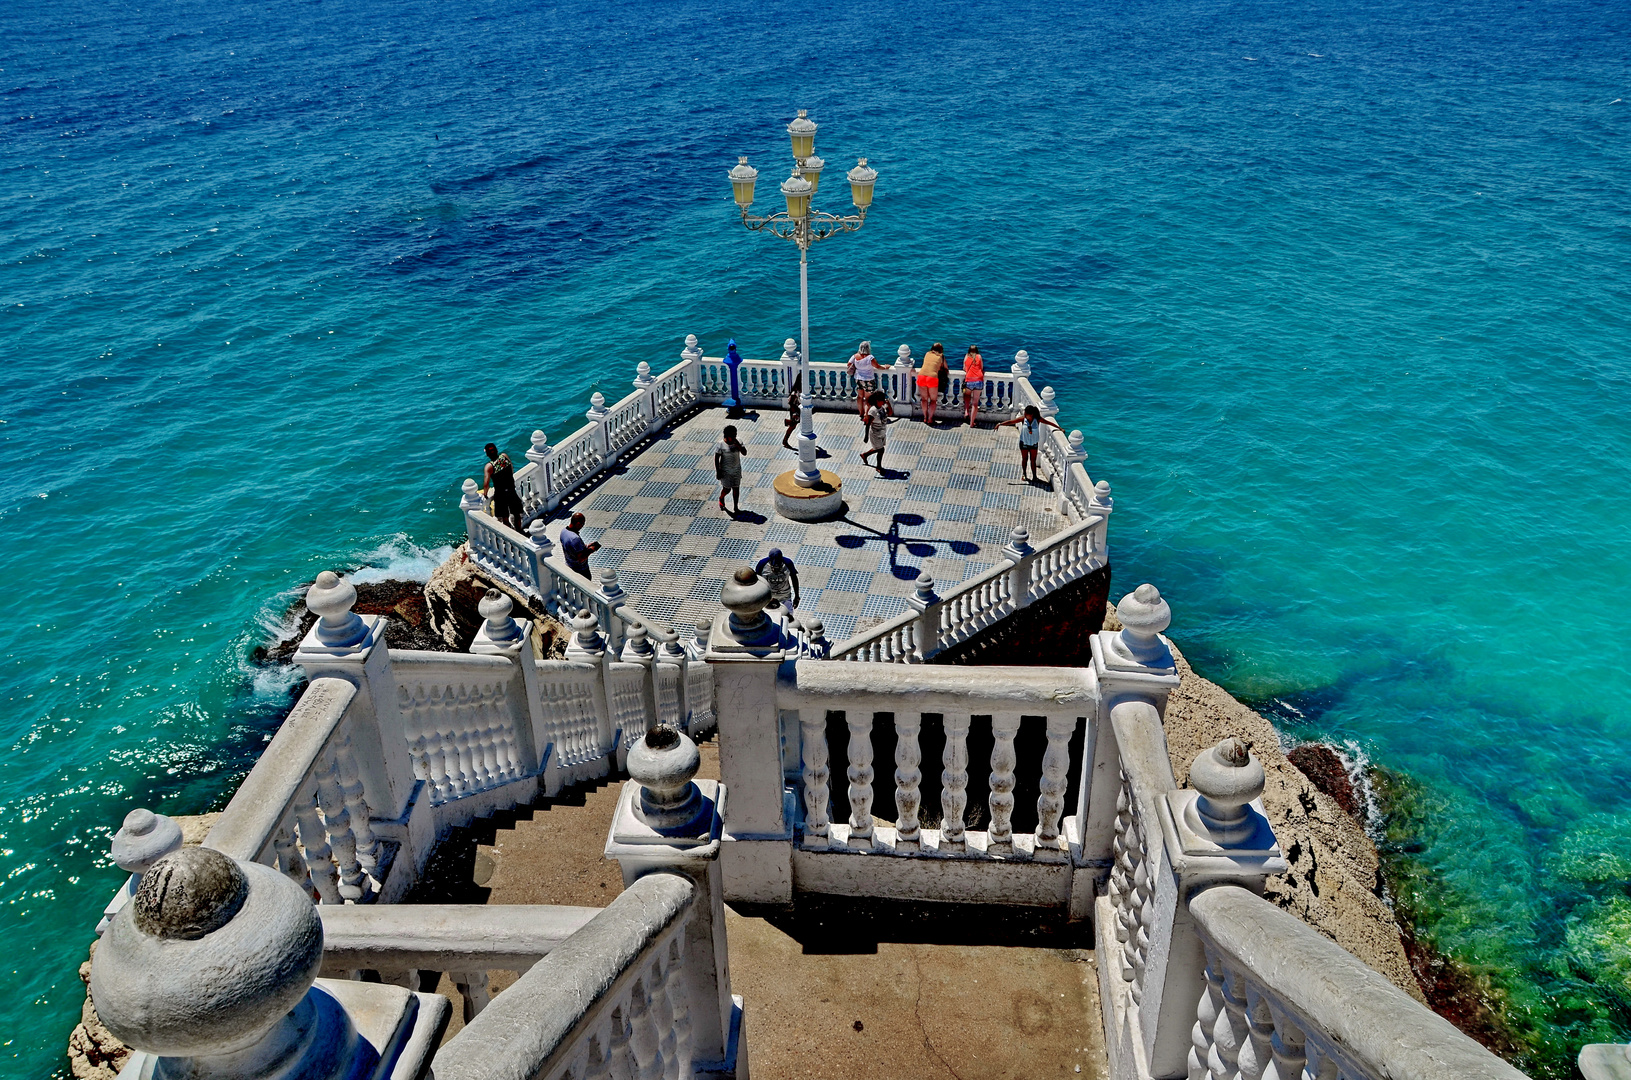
x=1030, y=434
x=877, y=418
x=973, y=383
x=728, y=454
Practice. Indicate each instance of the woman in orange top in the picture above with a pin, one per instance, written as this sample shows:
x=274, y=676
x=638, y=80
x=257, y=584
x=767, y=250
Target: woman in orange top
x=928, y=380
x=973, y=383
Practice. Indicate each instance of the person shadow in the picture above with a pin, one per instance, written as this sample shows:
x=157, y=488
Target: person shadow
x=750, y=517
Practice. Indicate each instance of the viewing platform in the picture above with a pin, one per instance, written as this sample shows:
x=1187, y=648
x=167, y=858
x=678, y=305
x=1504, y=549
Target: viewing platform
x=947, y=502
x=922, y=557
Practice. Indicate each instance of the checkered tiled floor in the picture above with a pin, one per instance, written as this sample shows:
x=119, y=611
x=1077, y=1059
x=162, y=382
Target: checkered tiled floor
x=946, y=504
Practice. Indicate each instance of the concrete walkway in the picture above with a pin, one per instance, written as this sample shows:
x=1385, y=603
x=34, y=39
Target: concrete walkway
x=836, y=988
x=947, y=501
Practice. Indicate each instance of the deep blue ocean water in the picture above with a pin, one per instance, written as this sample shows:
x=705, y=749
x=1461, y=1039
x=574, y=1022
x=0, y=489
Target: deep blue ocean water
x=1337, y=292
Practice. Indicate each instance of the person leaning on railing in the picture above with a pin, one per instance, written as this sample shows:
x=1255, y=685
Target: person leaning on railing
x=973, y=383
x=864, y=370
x=928, y=380
x=500, y=476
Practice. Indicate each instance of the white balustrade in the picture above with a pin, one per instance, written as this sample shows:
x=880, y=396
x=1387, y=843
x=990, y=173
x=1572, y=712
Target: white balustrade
x=983, y=601
x=908, y=781
x=459, y=722
x=860, y=774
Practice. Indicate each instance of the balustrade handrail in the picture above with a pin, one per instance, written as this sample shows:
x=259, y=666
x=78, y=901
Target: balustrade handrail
x=445, y=937
x=851, y=648
x=1370, y=1023
x=258, y=808
x=533, y=1029
x=817, y=684
x=425, y=664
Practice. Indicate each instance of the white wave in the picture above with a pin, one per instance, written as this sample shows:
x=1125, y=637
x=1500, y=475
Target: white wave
x=1357, y=765
x=274, y=683
x=399, y=559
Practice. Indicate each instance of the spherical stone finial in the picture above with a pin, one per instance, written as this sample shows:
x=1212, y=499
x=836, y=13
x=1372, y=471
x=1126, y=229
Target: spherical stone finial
x=692, y=350
x=903, y=356
x=540, y=451
x=189, y=893
x=746, y=595
x=1019, y=543
x=663, y=764
x=585, y=624
x=642, y=375
x=1022, y=363
x=330, y=599
x=470, y=496
x=1076, y=441
x=495, y=606
x=704, y=627
x=637, y=645
x=597, y=406
x=1101, y=493
x=609, y=587
x=207, y=958
x=144, y=838
x=1227, y=777
x=538, y=533
x=1144, y=614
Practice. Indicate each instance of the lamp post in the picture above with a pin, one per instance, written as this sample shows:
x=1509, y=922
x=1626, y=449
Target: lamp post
x=804, y=226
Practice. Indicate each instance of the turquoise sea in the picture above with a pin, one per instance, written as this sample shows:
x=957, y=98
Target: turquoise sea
x=1338, y=293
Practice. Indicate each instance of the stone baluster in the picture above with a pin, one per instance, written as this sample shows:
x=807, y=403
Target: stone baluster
x=954, y=783
x=816, y=774
x=667, y=821
x=1257, y=1053
x=1049, y=408
x=691, y=355
x=1207, y=1011
x=1050, y=805
x=588, y=646
x=679, y=993
x=1288, y=1046
x=337, y=823
x=619, y=1055
x=290, y=861
x=356, y=803
x=1020, y=556
x=143, y=839
x=662, y=1010
x=908, y=781
x=314, y=838
x=643, y=1040
x=473, y=990
x=928, y=605
x=601, y=438
x=672, y=663
x=860, y=775
x=449, y=732
x=1022, y=364
x=1004, y=726
x=905, y=387
x=637, y=649
x=209, y=972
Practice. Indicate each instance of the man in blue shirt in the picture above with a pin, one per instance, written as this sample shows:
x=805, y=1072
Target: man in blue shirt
x=574, y=550
x=782, y=577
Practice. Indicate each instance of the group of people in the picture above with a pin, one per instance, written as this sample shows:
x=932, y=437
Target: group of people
x=932, y=380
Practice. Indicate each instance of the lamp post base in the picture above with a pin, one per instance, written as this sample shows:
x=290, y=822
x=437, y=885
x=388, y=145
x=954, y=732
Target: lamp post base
x=815, y=503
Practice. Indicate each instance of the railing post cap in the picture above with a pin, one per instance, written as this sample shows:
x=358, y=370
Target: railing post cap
x=690, y=341
x=1144, y=613
x=143, y=839
x=903, y=355
x=1019, y=544
x=1076, y=439
x=642, y=374
x=208, y=956
x=637, y=643
x=539, y=533
x=924, y=595
x=609, y=587
x=597, y=406
x=1022, y=363
x=1101, y=492
x=540, y=442
x=330, y=598
x=495, y=606
x=705, y=626
x=663, y=763
x=1226, y=777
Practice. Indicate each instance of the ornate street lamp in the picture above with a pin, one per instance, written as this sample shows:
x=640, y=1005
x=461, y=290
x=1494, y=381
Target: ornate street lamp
x=804, y=226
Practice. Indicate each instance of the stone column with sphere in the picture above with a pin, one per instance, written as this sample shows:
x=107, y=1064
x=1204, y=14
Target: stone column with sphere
x=746, y=648
x=210, y=973
x=669, y=822
x=352, y=647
